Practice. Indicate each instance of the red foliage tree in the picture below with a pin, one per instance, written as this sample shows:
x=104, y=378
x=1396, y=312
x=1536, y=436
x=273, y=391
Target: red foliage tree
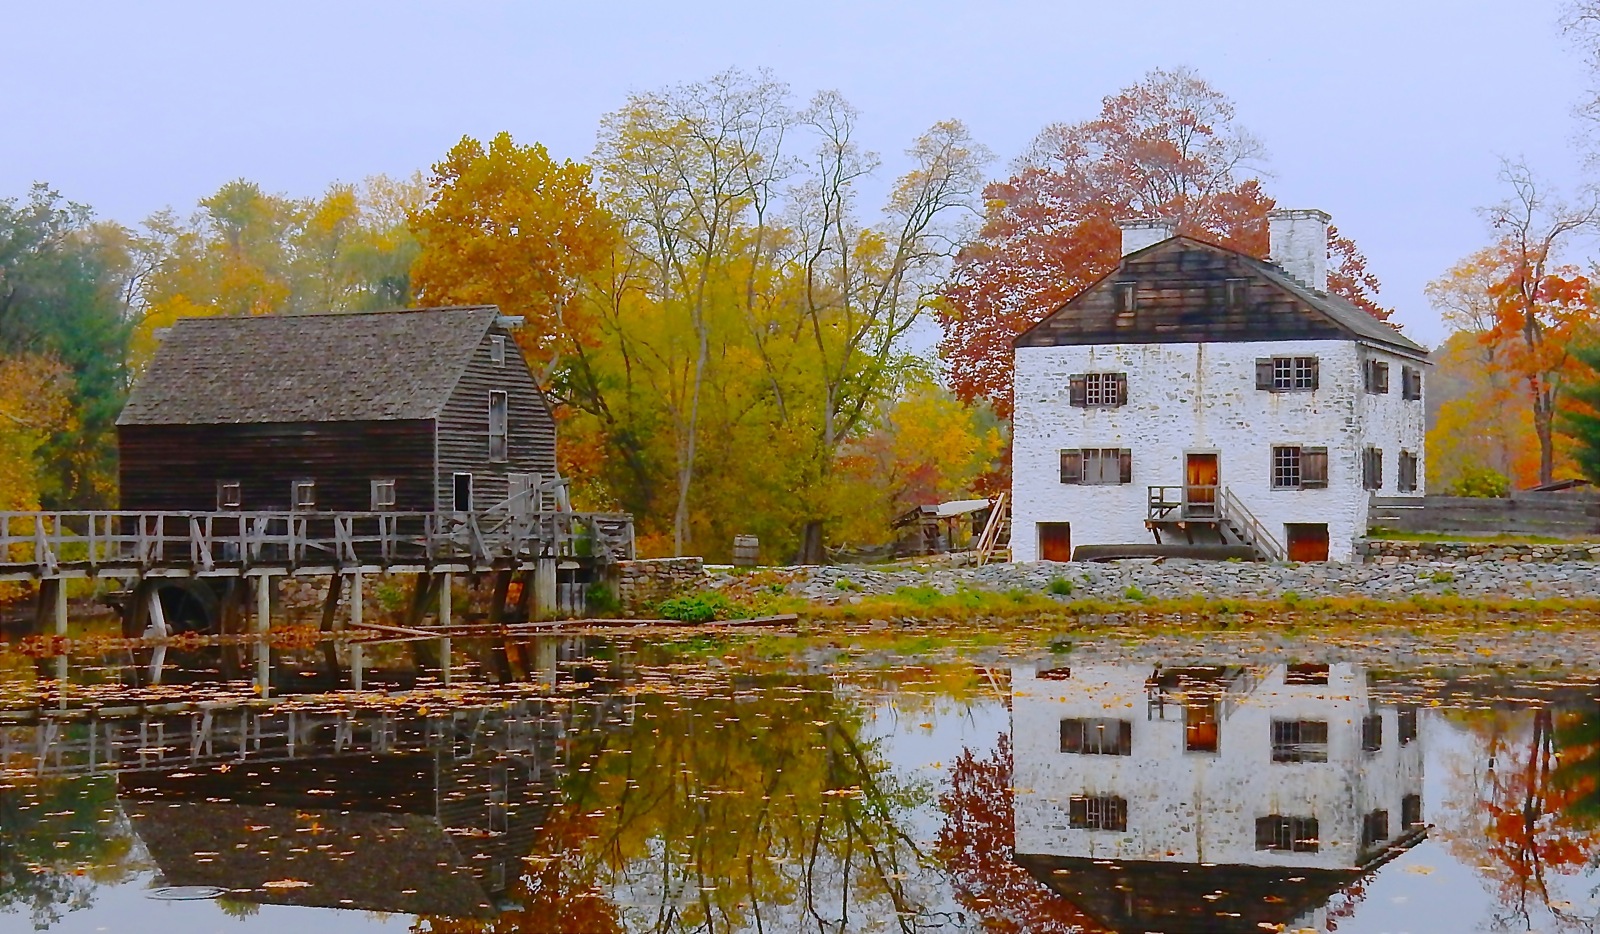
x=975, y=844
x=1169, y=147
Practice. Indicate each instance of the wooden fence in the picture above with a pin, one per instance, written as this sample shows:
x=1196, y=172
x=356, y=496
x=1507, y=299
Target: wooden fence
x=1558, y=515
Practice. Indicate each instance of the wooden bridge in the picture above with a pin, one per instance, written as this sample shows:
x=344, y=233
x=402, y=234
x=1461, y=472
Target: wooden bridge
x=42, y=545
x=223, y=558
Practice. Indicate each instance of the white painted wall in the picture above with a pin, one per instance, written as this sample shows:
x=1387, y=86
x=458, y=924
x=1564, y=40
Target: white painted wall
x=1201, y=397
x=1196, y=807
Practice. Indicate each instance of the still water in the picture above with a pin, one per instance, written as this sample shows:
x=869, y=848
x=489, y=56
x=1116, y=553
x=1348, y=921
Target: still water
x=614, y=787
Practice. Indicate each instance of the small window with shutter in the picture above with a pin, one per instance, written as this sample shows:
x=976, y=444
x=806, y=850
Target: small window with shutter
x=1127, y=297
x=1097, y=466
x=1097, y=390
x=1410, y=384
x=497, y=349
x=1299, y=468
x=1238, y=290
x=1287, y=374
x=1377, y=376
x=1407, y=479
x=1372, y=469
x=499, y=412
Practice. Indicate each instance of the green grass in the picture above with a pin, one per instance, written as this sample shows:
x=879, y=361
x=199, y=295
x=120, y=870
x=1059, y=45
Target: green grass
x=1504, y=538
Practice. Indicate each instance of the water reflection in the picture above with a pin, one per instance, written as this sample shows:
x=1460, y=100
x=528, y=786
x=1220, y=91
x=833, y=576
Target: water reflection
x=1211, y=799
x=611, y=787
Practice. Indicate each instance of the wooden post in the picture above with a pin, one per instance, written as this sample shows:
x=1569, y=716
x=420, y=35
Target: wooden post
x=61, y=606
x=444, y=620
x=332, y=623
x=263, y=631
x=158, y=614
x=356, y=658
x=544, y=588
x=502, y=588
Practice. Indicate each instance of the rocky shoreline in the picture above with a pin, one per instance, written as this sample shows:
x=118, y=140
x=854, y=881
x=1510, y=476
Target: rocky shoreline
x=1175, y=578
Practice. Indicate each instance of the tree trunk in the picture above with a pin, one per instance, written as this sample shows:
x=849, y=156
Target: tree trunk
x=811, y=543
x=1543, y=416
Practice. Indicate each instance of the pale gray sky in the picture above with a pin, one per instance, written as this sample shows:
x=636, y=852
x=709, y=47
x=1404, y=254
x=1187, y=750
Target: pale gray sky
x=1388, y=114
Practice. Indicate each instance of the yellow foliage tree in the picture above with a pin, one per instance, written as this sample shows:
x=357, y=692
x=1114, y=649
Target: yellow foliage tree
x=507, y=225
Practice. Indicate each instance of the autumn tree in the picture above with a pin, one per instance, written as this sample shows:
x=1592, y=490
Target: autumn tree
x=1170, y=146
x=64, y=331
x=508, y=225
x=1541, y=308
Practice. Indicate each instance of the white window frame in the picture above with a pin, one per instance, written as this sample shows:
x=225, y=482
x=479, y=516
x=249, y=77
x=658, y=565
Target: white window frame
x=383, y=495
x=1294, y=374
x=230, y=494
x=303, y=494
x=499, y=426
x=497, y=349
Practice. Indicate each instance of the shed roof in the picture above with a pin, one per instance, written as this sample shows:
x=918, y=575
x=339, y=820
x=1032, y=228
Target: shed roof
x=352, y=366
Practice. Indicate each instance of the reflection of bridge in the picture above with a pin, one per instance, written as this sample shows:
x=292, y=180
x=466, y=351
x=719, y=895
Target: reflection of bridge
x=1210, y=799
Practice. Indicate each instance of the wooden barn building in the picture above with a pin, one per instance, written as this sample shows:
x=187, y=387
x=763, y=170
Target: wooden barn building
x=416, y=410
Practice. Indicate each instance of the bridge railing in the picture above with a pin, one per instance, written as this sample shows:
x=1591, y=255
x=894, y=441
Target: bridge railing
x=46, y=542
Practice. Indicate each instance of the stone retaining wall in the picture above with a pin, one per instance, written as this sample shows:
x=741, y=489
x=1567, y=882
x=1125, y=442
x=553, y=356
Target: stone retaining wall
x=642, y=583
x=1389, y=552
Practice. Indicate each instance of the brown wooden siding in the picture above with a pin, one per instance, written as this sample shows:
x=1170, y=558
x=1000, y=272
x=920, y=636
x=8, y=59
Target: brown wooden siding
x=177, y=467
x=463, y=443
x=1181, y=296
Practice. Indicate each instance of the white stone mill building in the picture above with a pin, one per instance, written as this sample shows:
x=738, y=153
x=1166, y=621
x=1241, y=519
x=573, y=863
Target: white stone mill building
x=1199, y=395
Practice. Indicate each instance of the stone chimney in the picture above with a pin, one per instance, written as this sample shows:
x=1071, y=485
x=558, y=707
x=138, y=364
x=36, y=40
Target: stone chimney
x=1299, y=245
x=1139, y=232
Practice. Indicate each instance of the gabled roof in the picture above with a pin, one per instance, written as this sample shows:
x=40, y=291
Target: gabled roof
x=1343, y=312
x=358, y=366
x=1324, y=315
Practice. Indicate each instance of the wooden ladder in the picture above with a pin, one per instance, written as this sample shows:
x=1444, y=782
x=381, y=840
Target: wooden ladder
x=991, y=529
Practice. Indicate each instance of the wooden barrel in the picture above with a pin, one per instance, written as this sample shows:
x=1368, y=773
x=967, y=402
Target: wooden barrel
x=746, y=551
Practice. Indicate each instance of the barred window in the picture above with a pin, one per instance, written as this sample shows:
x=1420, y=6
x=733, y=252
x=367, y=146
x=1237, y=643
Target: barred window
x=1286, y=468
x=1299, y=741
x=1288, y=834
x=1290, y=373
x=1097, y=812
x=1099, y=736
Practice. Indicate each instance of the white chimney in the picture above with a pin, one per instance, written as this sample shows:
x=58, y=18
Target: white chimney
x=1138, y=233
x=1299, y=245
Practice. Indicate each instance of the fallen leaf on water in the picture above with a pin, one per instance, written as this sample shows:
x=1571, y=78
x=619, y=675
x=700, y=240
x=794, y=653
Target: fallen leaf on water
x=286, y=884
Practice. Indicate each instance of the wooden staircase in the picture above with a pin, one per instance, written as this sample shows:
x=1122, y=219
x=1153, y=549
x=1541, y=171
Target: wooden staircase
x=1235, y=520
x=998, y=527
x=1213, y=511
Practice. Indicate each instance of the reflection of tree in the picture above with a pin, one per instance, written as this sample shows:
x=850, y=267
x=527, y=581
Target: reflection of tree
x=1522, y=812
x=760, y=810
x=975, y=845
x=58, y=840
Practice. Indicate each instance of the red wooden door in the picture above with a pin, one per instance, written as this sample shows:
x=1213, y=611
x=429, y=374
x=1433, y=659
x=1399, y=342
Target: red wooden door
x=1055, y=541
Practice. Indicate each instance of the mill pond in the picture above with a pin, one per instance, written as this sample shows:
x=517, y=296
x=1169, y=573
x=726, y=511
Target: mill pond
x=852, y=779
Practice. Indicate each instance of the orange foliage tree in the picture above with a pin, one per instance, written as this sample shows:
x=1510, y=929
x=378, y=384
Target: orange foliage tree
x=1169, y=146
x=1541, y=308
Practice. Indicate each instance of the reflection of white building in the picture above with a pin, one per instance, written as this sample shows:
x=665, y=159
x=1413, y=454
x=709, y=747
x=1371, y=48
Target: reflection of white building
x=1209, y=799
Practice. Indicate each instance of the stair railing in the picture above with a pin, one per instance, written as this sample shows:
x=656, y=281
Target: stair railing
x=1230, y=509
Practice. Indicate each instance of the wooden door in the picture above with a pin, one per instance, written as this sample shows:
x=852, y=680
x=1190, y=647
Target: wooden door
x=1308, y=541
x=1055, y=541
x=1200, y=474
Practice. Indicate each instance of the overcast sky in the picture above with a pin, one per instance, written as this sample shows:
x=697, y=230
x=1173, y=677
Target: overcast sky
x=1389, y=114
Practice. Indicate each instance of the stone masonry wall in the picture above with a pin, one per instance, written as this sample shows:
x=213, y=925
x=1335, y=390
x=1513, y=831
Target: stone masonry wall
x=1388, y=552
x=648, y=581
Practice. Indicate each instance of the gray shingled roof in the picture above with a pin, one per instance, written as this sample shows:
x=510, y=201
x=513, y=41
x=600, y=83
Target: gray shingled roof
x=1341, y=310
x=364, y=366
